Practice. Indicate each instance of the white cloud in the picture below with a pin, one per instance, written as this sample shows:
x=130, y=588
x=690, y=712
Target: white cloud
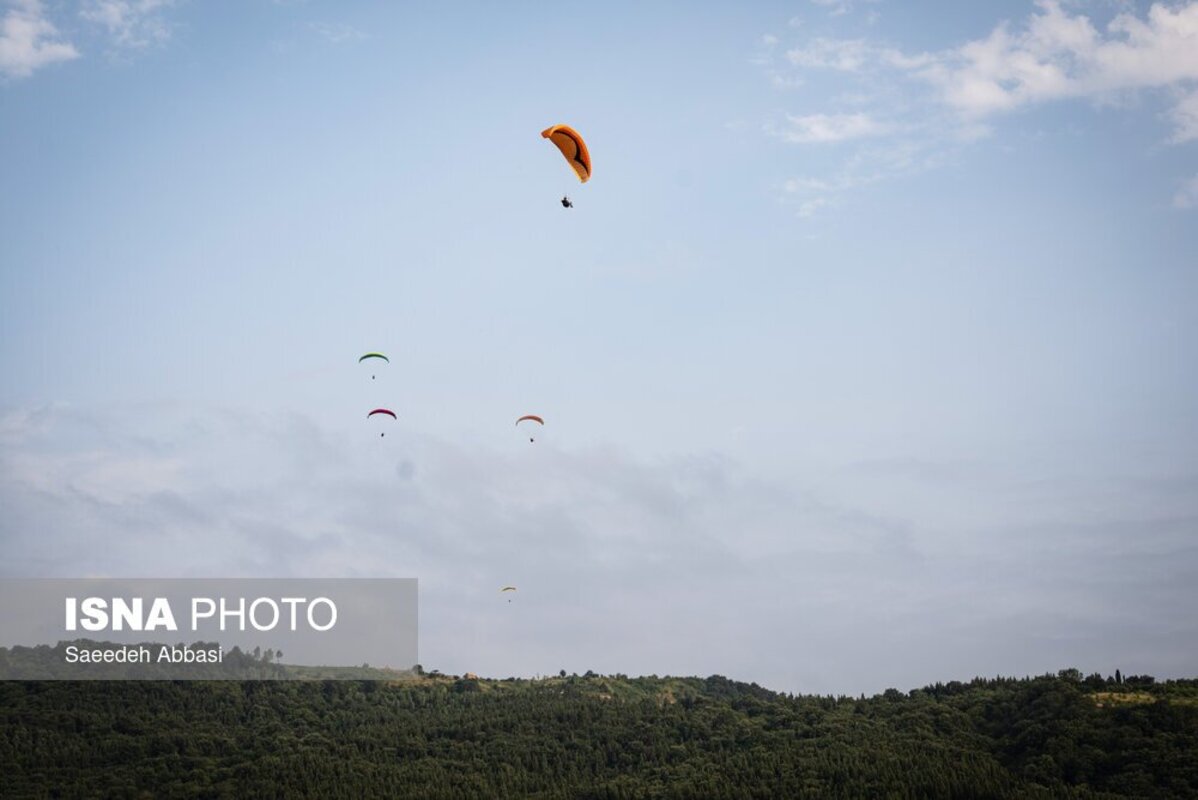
x=337, y=32
x=1185, y=118
x=846, y=55
x=765, y=50
x=1057, y=55
x=806, y=184
x=936, y=101
x=839, y=8
x=132, y=24
x=28, y=41
x=1187, y=195
x=835, y=7
x=780, y=81
x=1052, y=55
x=808, y=208
x=813, y=128
x=903, y=61
x=869, y=165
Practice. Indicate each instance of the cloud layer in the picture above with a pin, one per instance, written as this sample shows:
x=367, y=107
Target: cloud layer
x=932, y=101
x=691, y=564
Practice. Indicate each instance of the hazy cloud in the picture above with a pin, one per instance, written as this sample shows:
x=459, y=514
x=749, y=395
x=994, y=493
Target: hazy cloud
x=868, y=165
x=835, y=7
x=337, y=33
x=814, y=128
x=130, y=24
x=846, y=55
x=838, y=8
x=1185, y=118
x=1187, y=195
x=688, y=564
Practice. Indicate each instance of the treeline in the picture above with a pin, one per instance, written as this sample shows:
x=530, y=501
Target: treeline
x=598, y=737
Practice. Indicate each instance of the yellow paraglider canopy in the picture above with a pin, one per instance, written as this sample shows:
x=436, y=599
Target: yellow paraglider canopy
x=573, y=148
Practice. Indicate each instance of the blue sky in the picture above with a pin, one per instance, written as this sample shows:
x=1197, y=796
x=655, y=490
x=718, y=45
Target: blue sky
x=867, y=357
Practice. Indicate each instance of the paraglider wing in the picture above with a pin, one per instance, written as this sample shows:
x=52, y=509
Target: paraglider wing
x=507, y=589
x=573, y=148
x=385, y=412
x=374, y=355
x=529, y=418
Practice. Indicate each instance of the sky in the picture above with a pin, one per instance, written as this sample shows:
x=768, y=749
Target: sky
x=868, y=357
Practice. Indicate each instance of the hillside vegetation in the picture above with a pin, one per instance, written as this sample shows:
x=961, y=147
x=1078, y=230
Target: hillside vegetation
x=598, y=737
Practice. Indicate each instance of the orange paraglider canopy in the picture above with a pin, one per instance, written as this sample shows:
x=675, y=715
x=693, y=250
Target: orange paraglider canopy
x=529, y=418
x=573, y=148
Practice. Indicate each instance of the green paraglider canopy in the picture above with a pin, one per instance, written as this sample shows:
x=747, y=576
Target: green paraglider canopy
x=374, y=355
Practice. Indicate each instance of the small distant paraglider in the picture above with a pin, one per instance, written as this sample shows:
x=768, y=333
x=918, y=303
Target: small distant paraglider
x=574, y=149
x=527, y=424
x=386, y=411
x=507, y=589
x=374, y=355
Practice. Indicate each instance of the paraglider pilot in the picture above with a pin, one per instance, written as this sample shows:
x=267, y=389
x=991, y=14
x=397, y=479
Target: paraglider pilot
x=566, y=203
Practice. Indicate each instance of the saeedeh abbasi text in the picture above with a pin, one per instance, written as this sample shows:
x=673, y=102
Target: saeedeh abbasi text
x=142, y=654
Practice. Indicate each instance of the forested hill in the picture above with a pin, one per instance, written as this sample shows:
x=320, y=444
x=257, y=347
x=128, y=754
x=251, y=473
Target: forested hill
x=597, y=737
